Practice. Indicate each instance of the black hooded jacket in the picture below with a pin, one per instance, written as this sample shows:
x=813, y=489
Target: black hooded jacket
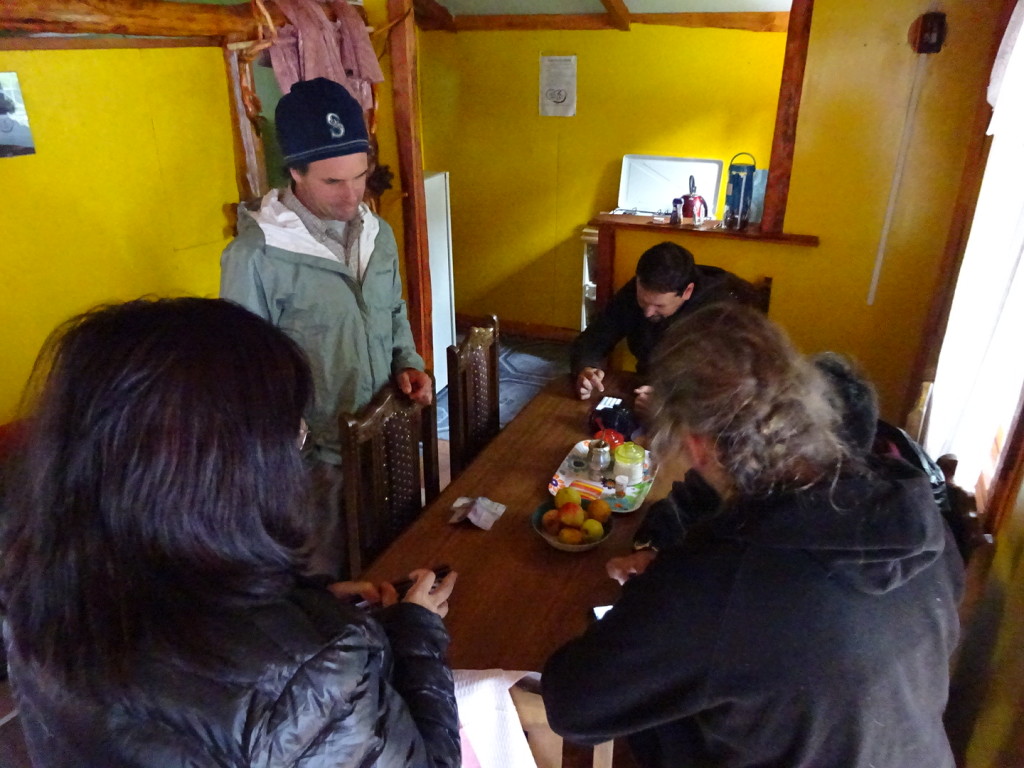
x=623, y=319
x=804, y=630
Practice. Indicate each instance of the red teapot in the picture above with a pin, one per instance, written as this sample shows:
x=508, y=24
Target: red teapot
x=694, y=206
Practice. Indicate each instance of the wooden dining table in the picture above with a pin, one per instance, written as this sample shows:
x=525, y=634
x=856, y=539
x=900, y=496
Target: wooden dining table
x=517, y=598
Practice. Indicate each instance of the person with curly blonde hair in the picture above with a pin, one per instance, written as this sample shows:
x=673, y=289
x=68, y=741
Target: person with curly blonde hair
x=809, y=620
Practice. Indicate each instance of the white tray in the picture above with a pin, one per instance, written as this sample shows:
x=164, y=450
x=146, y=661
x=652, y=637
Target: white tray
x=571, y=475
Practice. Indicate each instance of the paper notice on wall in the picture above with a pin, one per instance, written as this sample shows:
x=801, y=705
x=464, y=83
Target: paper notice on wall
x=558, y=86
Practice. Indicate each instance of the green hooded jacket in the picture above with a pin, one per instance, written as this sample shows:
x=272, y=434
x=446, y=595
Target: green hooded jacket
x=356, y=336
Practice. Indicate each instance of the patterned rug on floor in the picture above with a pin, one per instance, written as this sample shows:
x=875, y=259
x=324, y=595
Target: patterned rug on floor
x=524, y=367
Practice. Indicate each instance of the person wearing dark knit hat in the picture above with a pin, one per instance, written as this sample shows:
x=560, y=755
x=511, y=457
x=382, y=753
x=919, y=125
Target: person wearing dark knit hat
x=314, y=260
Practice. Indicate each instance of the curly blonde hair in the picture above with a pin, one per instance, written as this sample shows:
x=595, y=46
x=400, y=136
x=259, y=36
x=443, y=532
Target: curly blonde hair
x=729, y=373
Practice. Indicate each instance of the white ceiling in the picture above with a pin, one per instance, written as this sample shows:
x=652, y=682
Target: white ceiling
x=526, y=7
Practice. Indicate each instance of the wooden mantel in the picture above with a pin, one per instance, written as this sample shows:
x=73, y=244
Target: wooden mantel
x=608, y=224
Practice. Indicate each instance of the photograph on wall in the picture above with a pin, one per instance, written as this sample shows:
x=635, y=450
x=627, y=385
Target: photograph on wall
x=15, y=135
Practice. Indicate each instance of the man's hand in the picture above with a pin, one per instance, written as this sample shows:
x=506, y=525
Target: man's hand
x=642, y=403
x=624, y=568
x=416, y=384
x=588, y=380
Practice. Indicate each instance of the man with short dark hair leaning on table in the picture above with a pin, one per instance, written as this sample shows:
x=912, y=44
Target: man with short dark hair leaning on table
x=668, y=285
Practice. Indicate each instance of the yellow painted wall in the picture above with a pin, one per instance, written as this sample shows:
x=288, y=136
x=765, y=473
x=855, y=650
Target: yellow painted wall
x=125, y=195
x=522, y=185
x=997, y=738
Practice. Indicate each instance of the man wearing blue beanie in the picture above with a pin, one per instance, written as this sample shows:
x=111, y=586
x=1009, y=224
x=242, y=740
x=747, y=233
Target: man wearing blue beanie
x=316, y=262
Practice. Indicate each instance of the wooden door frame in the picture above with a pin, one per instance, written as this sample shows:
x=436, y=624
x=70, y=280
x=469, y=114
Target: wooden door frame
x=1009, y=471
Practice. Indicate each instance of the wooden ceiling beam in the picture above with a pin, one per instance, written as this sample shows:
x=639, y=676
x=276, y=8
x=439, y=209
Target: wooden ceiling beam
x=531, y=22
x=431, y=15
x=618, y=12
x=139, y=17
x=753, y=22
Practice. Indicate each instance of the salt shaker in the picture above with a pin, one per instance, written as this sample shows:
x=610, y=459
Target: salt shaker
x=599, y=459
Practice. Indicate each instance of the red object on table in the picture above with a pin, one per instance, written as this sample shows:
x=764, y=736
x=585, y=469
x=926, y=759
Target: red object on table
x=610, y=436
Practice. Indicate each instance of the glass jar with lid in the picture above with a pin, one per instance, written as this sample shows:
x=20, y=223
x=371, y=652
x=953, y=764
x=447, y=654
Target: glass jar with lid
x=629, y=461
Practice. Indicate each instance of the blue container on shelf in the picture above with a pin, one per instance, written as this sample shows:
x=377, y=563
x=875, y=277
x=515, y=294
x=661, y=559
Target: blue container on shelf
x=739, y=191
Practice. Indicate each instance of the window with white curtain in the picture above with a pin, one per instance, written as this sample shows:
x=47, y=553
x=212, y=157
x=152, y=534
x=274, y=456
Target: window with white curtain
x=980, y=373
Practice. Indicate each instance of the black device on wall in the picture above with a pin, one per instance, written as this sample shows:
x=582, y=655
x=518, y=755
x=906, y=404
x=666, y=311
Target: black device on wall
x=928, y=32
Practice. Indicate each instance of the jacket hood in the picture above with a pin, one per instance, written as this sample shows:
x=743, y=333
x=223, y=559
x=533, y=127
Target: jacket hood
x=874, y=530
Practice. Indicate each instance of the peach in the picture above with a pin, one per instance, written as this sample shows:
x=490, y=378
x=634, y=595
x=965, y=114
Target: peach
x=550, y=522
x=571, y=515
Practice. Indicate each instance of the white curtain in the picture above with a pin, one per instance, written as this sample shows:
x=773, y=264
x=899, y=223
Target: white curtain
x=981, y=365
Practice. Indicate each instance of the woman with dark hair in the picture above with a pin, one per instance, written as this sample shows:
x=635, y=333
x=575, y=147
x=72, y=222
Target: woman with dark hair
x=153, y=611
x=808, y=621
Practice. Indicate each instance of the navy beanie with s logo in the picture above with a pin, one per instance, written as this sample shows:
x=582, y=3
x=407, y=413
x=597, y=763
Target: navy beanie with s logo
x=318, y=119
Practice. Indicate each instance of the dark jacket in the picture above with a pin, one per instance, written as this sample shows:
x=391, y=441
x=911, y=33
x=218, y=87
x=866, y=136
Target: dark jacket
x=808, y=629
x=667, y=520
x=623, y=319
x=309, y=682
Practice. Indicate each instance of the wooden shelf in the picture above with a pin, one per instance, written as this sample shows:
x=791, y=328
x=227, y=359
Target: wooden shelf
x=644, y=223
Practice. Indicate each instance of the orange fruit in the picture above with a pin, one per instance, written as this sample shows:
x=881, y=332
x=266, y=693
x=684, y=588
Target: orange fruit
x=599, y=510
x=549, y=522
x=570, y=536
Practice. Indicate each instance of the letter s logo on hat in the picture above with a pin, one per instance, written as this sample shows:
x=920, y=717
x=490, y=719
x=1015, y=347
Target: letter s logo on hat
x=337, y=128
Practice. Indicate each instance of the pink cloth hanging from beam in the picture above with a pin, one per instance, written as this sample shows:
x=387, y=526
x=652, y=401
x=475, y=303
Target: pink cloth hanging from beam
x=314, y=46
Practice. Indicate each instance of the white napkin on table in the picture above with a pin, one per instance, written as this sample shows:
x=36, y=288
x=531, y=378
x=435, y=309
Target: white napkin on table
x=481, y=511
x=489, y=717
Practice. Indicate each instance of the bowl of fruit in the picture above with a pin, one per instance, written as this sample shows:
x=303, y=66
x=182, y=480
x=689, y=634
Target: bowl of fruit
x=571, y=524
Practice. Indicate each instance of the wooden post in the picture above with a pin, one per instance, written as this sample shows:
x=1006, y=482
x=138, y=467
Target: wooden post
x=781, y=164
x=405, y=86
x=250, y=165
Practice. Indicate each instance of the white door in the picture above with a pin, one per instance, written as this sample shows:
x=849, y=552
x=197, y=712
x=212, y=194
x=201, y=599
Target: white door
x=442, y=286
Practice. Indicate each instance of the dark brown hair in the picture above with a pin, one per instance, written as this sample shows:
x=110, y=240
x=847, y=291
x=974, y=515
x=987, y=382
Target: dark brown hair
x=161, y=483
x=666, y=268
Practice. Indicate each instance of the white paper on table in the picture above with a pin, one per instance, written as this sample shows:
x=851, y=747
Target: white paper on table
x=481, y=511
x=490, y=719
x=558, y=86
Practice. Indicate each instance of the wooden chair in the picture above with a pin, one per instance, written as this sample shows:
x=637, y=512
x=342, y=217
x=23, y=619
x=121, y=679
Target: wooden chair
x=757, y=295
x=386, y=484
x=473, y=393
x=546, y=745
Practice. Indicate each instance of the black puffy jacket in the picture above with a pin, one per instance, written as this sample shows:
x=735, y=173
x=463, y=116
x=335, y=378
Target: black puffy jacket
x=310, y=682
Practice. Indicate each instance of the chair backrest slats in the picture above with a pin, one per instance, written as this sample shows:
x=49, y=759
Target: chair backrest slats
x=473, y=393
x=389, y=460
